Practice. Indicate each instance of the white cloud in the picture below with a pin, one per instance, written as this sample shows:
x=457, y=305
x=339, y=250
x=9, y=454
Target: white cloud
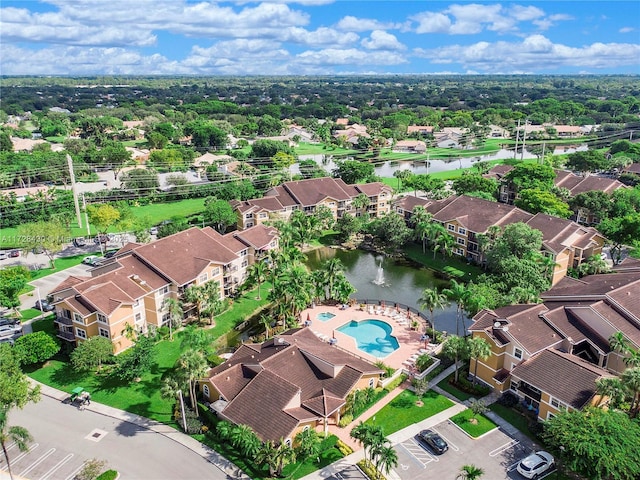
x=380, y=40
x=355, y=24
x=627, y=30
x=551, y=20
x=534, y=53
x=351, y=56
x=323, y=36
x=429, y=22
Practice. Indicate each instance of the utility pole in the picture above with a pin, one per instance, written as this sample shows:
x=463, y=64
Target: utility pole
x=515, y=150
x=524, y=139
x=86, y=216
x=544, y=144
x=74, y=189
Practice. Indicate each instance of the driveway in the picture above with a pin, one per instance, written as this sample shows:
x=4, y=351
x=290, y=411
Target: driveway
x=64, y=438
x=496, y=453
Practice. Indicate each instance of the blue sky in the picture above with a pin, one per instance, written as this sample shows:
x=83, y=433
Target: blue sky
x=310, y=37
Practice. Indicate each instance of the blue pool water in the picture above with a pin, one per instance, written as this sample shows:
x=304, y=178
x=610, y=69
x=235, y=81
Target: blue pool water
x=324, y=316
x=372, y=336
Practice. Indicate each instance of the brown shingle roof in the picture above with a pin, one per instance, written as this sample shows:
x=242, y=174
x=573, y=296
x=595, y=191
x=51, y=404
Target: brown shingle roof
x=565, y=377
x=258, y=237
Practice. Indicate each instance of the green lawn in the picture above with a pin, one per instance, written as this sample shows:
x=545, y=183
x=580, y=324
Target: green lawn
x=45, y=325
x=482, y=426
x=459, y=394
x=321, y=149
x=30, y=313
x=514, y=418
x=413, y=251
x=142, y=398
x=402, y=411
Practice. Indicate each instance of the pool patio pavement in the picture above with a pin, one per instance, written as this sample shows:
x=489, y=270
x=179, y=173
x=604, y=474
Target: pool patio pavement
x=410, y=343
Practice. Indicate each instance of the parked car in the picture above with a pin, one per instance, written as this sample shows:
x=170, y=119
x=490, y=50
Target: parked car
x=44, y=306
x=4, y=255
x=14, y=253
x=90, y=260
x=536, y=464
x=432, y=441
x=110, y=254
x=10, y=322
x=79, y=242
x=8, y=331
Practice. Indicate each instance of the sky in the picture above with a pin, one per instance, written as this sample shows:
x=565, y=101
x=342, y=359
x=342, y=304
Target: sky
x=318, y=37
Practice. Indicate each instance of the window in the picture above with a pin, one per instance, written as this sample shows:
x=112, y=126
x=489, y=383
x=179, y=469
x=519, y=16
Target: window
x=166, y=317
x=460, y=241
x=459, y=251
x=164, y=290
x=103, y=332
x=306, y=427
x=287, y=442
x=203, y=278
x=517, y=353
x=136, y=303
x=78, y=318
x=249, y=215
x=138, y=317
x=250, y=224
x=244, y=252
x=81, y=333
x=462, y=231
x=245, y=263
x=205, y=390
x=550, y=416
x=451, y=227
x=263, y=215
x=102, y=318
x=371, y=382
x=215, y=272
x=557, y=403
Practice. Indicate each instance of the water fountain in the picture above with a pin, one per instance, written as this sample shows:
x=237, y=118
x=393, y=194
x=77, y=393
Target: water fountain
x=379, y=275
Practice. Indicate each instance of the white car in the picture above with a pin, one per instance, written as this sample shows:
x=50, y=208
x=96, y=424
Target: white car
x=90, y=260
x=536, y=464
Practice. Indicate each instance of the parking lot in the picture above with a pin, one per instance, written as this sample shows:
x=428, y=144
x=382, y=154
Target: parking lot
x=496, y=453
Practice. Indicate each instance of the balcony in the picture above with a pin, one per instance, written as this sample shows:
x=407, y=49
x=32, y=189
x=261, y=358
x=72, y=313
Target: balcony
x=230, y=269
x=69, y=336
x=63, y=320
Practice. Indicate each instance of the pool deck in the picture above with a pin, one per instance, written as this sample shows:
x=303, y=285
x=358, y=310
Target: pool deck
x=409, y=340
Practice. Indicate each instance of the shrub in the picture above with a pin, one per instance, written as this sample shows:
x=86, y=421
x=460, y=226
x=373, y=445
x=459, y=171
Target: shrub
x=345, y=420
x=344, y=448
x=194, y=425
x=508, y=399
x=108, y=475
x=396, y=383
x=214, y=360
x=466, y=386
x=370, y=471
x=453, y=272
x=423, y=362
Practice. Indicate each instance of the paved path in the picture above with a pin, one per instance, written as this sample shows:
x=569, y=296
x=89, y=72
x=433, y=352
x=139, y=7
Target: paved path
x=213, y=457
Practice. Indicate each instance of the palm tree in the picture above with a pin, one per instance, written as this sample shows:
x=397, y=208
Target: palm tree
x=632, y=360
x=245, y=440
x=268, y=455
x=456, y=348
x=211, y=299
x=386, y=458
x=618, y=342
x=611, y=388
x=284, y=455
x=174, y=309
x=193, y=366
x=457, y=292
x=361, y=202
x=432, y=299
x=479, y=348
x=631, y=380
x=470, y=472
x=402, y=175
x=437, y=233
x=333, y=269
x=266, y=322
x=194, y=338
x=257, y=273
x=307, y=444
x=20, y=436
x=195, y=294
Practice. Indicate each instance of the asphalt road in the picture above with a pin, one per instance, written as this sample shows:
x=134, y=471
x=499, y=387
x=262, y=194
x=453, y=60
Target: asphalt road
x=64, y=438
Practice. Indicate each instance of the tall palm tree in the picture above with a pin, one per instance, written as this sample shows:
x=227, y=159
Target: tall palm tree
x=631, y=380
x=176, y=314
x=20, y=436
x=211, y=301
x=386, y=458
x=611, y=388
x=470, y=472
x=193, y=366
x=632, y=360
x=333, y=268
x=266, y=322
x=479, y=348
x=257, y=274
x=361, y=202
x=245, y=440
x=431, y=300
x=457, y=292
x=307, y=444
x=268, y=455
x=402, y=175
x=456, y=348
x=437, y=233
x=195, y=294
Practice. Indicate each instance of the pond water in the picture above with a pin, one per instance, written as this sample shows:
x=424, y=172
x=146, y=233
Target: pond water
x=402, y=282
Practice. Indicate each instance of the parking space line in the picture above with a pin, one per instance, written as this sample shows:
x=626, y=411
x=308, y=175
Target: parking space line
x=512, y=467
x=75, y=472
x=49, y=452
x=22, y=455
x=453, y=446
x=415, y=446
x=512, y=443
x=57, y=466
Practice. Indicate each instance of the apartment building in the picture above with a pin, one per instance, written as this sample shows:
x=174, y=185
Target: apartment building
x=131, y=288
x=551, y=354
x=307, y=195
x=464, y=217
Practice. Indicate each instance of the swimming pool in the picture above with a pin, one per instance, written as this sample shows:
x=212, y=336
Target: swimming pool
x=324, y=316
x=372, y=337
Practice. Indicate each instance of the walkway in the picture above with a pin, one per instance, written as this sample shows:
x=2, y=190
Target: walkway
x=205, y=452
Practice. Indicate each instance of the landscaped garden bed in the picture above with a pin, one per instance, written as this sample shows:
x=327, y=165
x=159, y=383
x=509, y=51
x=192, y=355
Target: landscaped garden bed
x=474, y=425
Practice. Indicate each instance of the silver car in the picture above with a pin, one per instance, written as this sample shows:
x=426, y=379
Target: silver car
x=536, y=464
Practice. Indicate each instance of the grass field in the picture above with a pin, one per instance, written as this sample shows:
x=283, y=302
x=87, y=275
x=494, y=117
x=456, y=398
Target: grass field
x=482, y=426
x=403, y=411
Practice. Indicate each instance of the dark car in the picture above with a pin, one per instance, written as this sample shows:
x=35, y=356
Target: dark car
x=44, y=306
x=110, y=254
x=431, y=440
x=11, y=322
x=79, y=242
x=14, y=253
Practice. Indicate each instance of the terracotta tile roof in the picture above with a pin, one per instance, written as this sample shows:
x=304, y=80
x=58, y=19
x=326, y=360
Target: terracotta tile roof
x=565, y=377
x=184, y=255
x=306, y=373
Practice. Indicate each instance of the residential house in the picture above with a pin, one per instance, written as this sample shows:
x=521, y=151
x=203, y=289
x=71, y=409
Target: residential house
x=287, y=384
x=302, y=133
x=633, y=168
x=496, y=131
x=565, y=131
x=552, y=354
x=410, y=146
x=307, y=195
x=131, y=288
x=419, y=130
x=464, y=217
x=352, y=133
x=449, y=137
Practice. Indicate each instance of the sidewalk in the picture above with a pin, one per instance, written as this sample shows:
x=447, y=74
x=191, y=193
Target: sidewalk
x=205, y=452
